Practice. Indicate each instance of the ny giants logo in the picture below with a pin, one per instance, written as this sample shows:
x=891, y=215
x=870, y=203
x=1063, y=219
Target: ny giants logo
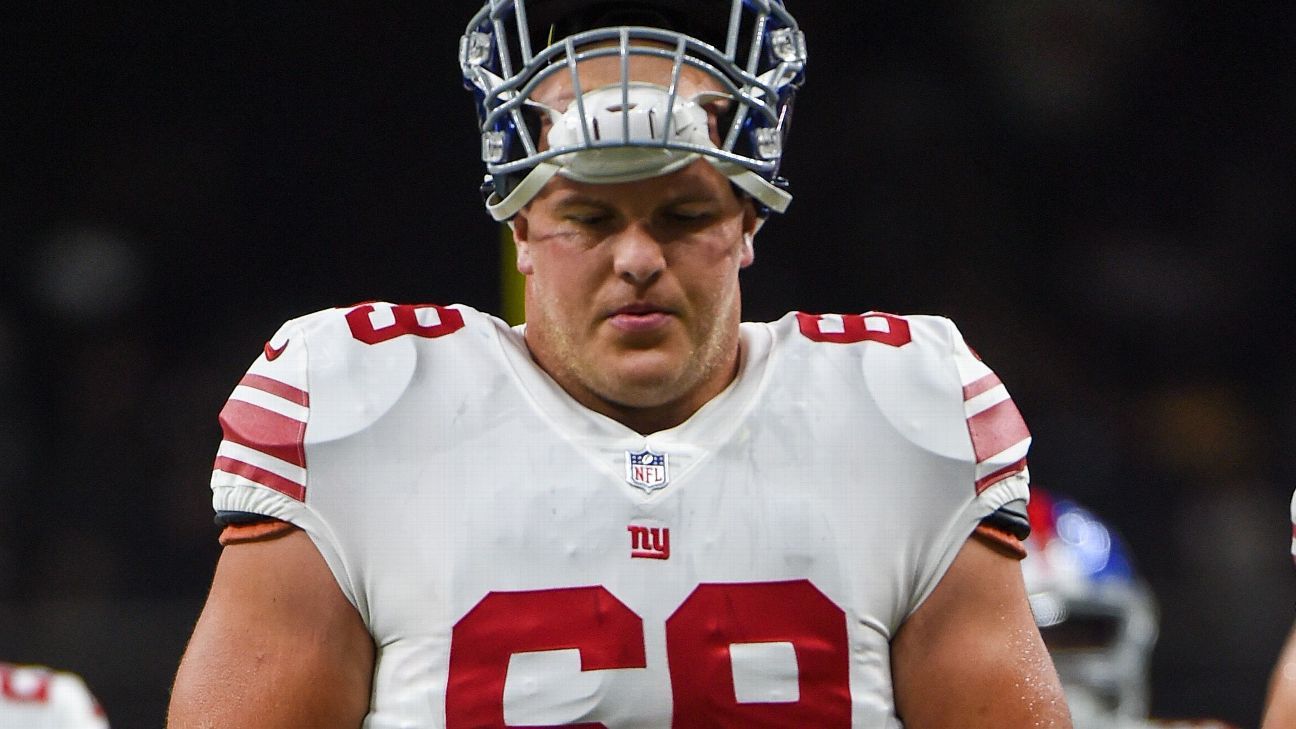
x=649, y=542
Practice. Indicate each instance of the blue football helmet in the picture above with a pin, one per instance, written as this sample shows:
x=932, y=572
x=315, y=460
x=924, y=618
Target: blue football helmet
x=752, y=51
x=1098, y=619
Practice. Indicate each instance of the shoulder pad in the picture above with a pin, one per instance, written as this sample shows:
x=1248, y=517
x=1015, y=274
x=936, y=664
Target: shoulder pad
x=321, y=378
x=931, y=387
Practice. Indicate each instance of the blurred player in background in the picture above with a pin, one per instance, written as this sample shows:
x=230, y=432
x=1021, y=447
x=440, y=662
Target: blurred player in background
x=1097, y=617
x=36, y=697
x=634, y=510
x=1280, y=711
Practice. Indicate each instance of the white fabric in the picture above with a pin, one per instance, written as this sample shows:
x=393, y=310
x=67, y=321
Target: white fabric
x=35, y=697
x=1293, y=516
x=443, y=470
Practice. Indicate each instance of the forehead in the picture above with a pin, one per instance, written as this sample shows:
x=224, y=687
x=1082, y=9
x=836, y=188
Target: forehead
x=557, y=87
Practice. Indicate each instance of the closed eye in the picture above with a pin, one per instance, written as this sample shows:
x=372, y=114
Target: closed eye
x=689, y=215
x=588, y=219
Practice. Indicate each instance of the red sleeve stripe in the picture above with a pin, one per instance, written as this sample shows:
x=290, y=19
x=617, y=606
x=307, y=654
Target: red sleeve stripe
x=996, y=429
x=986, y=482
x=265, y=431
x=275, y=387
x=292, y=489
x=972, y=389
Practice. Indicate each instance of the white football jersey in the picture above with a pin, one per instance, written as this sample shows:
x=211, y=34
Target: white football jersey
x=523, y=561
x=36, y=697
x=1293, y=516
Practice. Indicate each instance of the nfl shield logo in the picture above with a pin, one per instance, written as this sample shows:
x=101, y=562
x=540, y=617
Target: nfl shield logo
x=646, y=470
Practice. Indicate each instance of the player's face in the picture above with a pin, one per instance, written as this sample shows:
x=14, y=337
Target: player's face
x=632, y=290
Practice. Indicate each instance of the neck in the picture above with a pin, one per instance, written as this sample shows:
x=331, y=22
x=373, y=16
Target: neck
x=646, y=420
x=646, y=417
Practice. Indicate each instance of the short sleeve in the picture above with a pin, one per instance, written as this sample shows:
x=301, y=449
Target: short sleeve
x=998, y=433
x=960, y=410
x=263, y=426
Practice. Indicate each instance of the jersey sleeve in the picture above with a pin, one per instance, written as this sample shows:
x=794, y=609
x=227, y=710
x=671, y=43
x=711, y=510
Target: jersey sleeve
x=299, y=422
x=998, y=439
x=319, y=382
x=269, y=425
x=260, y=467
x=943, y=399
x=996, y=430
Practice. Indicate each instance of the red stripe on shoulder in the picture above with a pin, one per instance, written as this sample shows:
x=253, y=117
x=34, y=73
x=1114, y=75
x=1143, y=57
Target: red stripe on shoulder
x=275, y=387
x=995, y=429
x=265, y=431
x=288, y=488
x=986, y=482
x=984, y=384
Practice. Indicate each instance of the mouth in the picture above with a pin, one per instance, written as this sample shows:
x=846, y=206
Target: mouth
x=640, y=317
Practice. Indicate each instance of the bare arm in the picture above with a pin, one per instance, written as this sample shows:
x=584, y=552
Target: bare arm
x=1280, y=709
x=971, y=657
x=277, y=645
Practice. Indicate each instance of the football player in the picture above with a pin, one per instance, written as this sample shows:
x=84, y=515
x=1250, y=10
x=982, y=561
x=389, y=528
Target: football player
x=1097, y=616
x=1280, y=708
x=36, y=697
x=634, y=510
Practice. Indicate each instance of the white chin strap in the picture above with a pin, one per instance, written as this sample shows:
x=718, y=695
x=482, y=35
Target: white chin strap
x=635, y=115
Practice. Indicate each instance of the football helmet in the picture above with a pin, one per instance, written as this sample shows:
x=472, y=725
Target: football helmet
x=1098, y=619
x=752, y=51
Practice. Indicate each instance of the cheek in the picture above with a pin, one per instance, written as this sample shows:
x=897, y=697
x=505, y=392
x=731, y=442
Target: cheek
x=715, y=282
x=563, y=281
x=729, y=256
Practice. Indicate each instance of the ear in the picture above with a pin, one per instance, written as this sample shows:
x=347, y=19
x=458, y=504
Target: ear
x=522, y=243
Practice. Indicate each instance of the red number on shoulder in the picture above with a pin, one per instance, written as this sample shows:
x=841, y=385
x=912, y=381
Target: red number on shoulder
x=26, y=685
x=377, y=323
x=851, y=328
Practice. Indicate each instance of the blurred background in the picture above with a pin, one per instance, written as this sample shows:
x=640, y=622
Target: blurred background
x=1101, y=193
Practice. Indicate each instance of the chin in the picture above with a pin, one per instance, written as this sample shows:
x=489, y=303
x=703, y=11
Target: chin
x=643, y=381
x=642, y=391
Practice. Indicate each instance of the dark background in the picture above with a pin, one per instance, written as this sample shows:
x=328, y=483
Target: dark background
x=1099, y=193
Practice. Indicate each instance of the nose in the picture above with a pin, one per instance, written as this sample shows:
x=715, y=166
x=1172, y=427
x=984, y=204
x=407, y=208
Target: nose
x=637, y=257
